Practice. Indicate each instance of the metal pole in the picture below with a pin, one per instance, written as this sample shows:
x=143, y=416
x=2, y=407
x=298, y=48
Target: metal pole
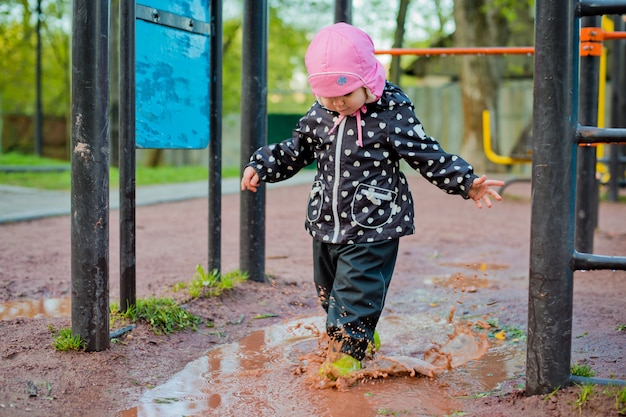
x=550, y=296
x=618, y=107
x=215, y=140
x=38, y=75
x=127, y=159
x=343, y=11
x=253, y=134
x=587, y=188
x=90, y=173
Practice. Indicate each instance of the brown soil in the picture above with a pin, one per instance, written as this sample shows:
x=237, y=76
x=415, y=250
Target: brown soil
x=487, y=250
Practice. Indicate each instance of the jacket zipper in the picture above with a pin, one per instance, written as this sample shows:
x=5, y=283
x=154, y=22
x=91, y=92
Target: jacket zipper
x=335, y=202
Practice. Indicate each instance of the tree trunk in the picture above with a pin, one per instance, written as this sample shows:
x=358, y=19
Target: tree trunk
x=478, y=24
x=395, y=70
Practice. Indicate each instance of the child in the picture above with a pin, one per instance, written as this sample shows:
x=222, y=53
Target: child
x=357, y=132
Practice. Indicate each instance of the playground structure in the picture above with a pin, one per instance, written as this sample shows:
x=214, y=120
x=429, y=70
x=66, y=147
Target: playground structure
x=557, y=134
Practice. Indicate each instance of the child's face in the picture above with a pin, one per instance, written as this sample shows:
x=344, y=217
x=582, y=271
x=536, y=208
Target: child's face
x=345, y=105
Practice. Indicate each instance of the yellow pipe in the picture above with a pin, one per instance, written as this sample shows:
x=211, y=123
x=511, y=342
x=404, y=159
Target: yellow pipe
x=489, y=152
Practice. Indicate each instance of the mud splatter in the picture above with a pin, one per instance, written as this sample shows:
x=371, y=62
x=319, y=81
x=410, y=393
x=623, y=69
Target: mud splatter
x=275, y=372
x=463, y=345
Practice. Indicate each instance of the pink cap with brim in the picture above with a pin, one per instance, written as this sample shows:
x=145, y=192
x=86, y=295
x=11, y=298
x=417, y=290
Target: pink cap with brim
x=340, y=59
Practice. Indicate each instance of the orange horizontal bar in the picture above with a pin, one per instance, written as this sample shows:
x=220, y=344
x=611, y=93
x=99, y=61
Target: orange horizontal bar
x=487, y=50
x=597, y=34
x=614, y=35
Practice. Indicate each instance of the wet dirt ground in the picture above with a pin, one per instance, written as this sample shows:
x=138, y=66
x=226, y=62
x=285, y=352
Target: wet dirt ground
x=473, y=262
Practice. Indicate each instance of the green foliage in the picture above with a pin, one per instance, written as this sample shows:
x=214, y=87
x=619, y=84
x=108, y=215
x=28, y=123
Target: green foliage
x=582, y=370
x=552, y=394
x=163, y=315
x=291, y=25
x=620, y=401
x=586, y=391
x=64, y=341
x=18, y=42
x=285, y=56
x=621, y=327
x=210, y=284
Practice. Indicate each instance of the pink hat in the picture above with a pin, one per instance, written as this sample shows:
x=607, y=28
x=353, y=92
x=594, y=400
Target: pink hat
x=340, y=59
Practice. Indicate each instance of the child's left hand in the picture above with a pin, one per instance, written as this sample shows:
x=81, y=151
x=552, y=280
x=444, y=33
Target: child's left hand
x=480, y=191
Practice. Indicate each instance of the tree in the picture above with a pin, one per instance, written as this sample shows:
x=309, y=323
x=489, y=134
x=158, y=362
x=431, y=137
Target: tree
x=483, y=23
x=17, y=54
x=398, y=39
x=286, y=48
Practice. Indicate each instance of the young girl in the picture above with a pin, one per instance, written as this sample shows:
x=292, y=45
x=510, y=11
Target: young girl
x=360, y=205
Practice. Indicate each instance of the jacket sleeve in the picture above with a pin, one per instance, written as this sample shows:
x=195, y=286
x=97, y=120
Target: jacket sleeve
x=423, y=153
x=279, y=161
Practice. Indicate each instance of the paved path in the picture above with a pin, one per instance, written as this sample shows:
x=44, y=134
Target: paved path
x=19, y=204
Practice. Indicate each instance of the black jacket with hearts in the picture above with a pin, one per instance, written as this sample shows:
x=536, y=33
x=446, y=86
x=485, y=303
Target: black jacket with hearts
x=359, y=193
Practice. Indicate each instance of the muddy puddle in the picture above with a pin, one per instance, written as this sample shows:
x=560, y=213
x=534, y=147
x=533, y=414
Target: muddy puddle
x=32, y=309
x=257, y=376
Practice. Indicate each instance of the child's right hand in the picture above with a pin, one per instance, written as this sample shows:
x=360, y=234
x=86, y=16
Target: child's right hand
x=249, y=179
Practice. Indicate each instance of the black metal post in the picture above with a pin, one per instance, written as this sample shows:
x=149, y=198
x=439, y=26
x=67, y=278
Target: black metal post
x=587, y=188
x=127, y=159
x=343, y=11
x=38, y=75
x=618, y=107
x=90, y=173
x=253, y=134
x=215, y=140
x=552, y=209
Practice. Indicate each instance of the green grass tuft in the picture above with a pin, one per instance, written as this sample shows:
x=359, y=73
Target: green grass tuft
x=210, y=284
x=163, y=315
x=65, y=341
x=582, y=370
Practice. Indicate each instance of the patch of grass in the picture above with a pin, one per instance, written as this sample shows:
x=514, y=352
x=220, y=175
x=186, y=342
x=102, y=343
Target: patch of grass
x=163, y=315
x=65, y=340
x=63, y=180
x=582, y=370
x=15, y=159
x=620, y=401
x=552, y=394
x=210, y=284
x=621, y=327
x=586, y=391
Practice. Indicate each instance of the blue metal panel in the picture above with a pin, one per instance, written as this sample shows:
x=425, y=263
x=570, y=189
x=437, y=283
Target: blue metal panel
x=172, y=79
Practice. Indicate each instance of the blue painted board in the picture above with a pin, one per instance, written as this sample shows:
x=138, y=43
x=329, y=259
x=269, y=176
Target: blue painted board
x=172, y=80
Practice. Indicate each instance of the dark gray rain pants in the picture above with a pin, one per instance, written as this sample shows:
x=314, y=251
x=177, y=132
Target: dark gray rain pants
x=352, y=282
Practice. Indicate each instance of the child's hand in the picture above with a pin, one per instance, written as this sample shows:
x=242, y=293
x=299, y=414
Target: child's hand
x=249, y=179
x=480, y=190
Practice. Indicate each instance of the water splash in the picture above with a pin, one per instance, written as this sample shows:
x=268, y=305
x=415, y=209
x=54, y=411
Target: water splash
x=258, y=375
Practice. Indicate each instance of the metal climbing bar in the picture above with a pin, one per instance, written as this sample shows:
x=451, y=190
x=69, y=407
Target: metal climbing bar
x=599, y=7
x=589, y=262
x=590, y=134
x=486, y=50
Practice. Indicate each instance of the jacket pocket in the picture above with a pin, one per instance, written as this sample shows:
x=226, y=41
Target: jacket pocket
x=316, y=199
x=373, y=206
